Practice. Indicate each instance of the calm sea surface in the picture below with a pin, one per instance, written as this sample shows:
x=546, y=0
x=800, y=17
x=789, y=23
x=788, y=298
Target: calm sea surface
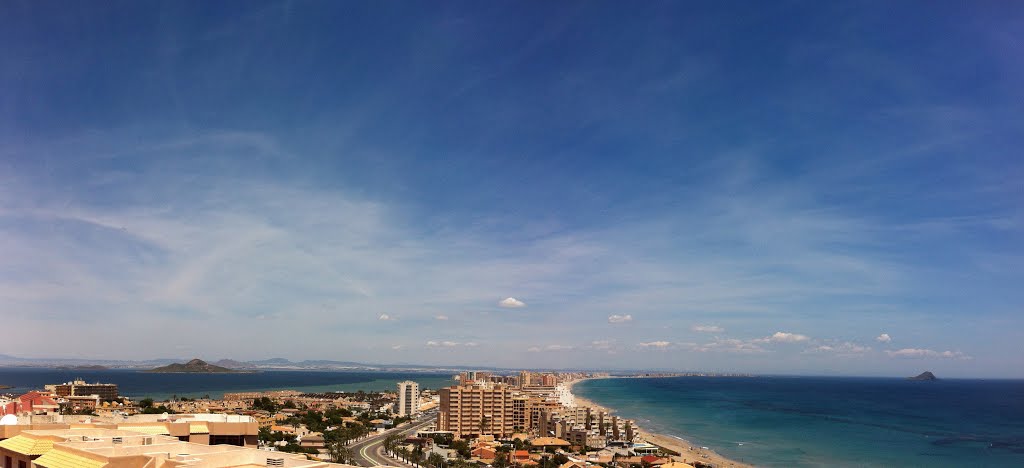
x=823, y=421
x=161, y=386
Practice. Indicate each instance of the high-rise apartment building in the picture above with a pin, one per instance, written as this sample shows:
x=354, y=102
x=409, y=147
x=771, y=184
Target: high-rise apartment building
x=408, y=398
x=476, y=409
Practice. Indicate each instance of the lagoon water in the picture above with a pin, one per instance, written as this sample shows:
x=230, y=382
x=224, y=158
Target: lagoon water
x=138, y=384
x=823, y=421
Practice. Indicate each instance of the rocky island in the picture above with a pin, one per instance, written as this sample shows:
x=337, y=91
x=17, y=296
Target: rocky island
x=926, y=375
x=195, y=366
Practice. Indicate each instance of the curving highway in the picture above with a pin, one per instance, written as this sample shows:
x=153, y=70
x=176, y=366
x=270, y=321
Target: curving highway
x=367, y=451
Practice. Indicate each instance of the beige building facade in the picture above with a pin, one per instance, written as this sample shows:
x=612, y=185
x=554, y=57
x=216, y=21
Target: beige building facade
x=476, y=409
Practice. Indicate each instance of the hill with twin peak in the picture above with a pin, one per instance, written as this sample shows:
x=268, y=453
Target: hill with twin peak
x=195, y=366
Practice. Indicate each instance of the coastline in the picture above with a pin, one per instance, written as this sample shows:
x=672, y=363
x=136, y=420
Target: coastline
x=688, y=452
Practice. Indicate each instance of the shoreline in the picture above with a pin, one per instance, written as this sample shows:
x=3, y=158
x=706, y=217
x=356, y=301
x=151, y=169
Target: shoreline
x=688, y=452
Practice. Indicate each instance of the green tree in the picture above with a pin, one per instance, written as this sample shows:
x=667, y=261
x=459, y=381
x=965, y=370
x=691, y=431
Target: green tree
x=435, y=460
x=146, y=403
x=340, y=453
x=461, y=446
x=391, y=442
x=501, y=460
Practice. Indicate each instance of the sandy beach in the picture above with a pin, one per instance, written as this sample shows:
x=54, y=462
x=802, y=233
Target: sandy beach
x=688, y=451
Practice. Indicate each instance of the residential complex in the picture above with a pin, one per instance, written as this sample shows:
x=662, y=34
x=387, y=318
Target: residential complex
x=105, y=391
x=92, y=447
x=476, y=409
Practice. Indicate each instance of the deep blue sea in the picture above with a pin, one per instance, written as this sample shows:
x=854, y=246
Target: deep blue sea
x=137, y=384
x=828, y=421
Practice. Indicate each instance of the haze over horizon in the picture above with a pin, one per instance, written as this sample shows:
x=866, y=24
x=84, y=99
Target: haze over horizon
x=804, y=188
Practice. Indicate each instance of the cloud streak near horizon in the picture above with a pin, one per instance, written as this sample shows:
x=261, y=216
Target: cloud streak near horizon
x=616, y=209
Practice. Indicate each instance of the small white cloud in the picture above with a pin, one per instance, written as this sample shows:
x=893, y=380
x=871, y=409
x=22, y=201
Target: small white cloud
x=602, y=344
x=708, y=328
x=384, y=317
x=441, y=317
x=511, y=303
x=620, y=318
x=533, y=349
x=397, y=347
x=656, y=344
x=558, y=347
x=883, y=338
x=927, y=353
x=785, y=337
x=451, y=344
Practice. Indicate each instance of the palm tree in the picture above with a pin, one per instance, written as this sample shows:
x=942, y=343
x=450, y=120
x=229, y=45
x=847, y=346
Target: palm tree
x=435, y=460
x=339, y=453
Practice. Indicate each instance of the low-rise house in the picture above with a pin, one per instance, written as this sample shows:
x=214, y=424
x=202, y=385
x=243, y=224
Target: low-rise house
x=485, y=454
x=519, y=456
x=313, y=441
x=653, y=460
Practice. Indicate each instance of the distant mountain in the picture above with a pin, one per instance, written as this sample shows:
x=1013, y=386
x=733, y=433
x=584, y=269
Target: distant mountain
x=84, y=367
x=272, y=361
x=195, y=366
x=926, y=375
x=233, y=364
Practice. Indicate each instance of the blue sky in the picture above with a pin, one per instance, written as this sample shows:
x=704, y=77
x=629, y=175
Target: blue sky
x=784, y=187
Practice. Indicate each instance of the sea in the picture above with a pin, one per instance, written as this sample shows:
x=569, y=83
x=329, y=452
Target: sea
x=829, y=421
x=137, y=384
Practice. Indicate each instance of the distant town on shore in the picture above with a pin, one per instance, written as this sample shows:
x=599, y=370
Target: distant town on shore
x=487, y=419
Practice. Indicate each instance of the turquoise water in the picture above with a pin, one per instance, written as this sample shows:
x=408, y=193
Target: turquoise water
x=821, y=421
x=137, y=384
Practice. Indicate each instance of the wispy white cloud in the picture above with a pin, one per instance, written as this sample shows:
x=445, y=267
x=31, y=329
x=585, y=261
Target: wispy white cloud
x=448, y=344
x=728, y=345
x=845, y=348
x=441, y=317
x=511, y=303
x=655, y=344
x=883, y=338
x=230, y=249
x=926, y=353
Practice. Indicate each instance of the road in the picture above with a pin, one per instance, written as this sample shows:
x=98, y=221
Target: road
x=366, y=450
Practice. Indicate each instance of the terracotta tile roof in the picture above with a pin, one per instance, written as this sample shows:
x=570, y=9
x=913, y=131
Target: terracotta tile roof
x=27, y=445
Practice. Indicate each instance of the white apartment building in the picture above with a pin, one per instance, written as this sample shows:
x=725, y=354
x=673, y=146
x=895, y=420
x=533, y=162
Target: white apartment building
x=408, y=398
